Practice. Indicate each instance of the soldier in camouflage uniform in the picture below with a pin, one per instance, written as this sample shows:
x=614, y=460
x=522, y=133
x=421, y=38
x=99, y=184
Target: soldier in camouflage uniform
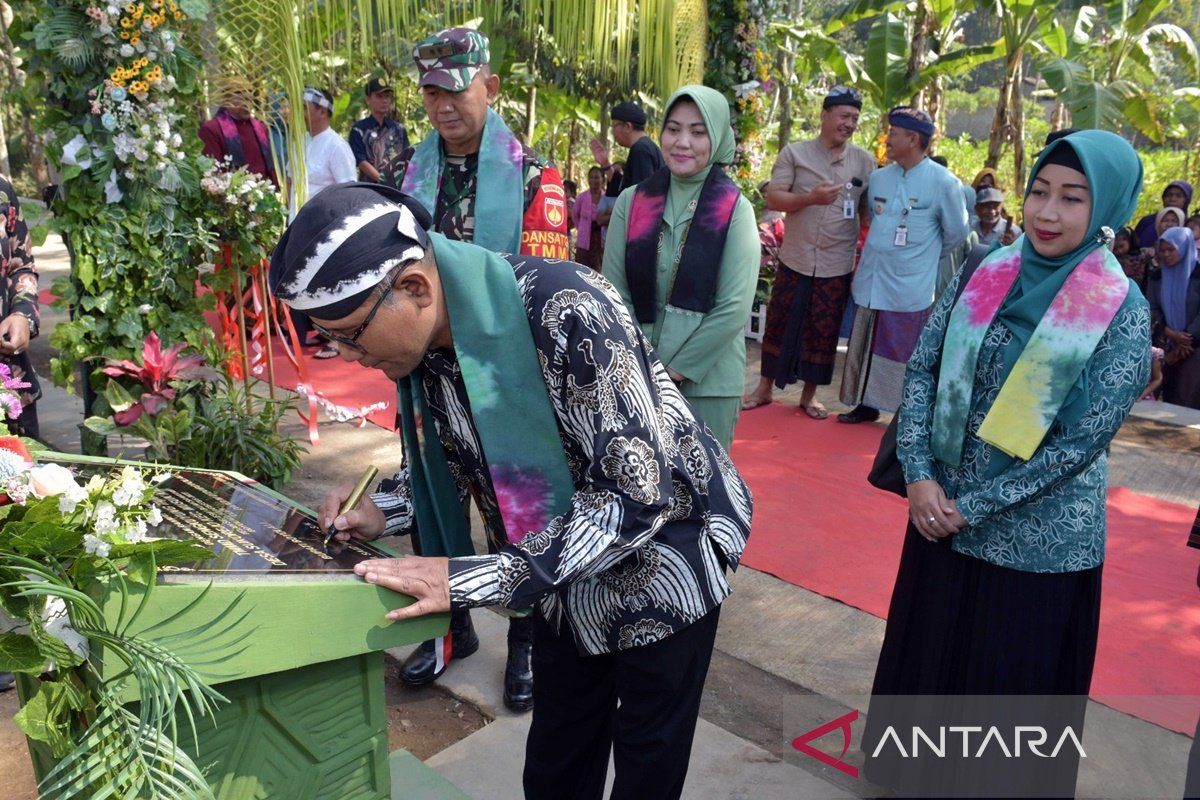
x=458, y=89
x=481, y=185
x=379, y=141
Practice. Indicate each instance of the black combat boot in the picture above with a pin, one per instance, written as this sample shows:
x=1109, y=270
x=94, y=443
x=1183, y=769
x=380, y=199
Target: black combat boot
x=518, y=673
x=425, y=664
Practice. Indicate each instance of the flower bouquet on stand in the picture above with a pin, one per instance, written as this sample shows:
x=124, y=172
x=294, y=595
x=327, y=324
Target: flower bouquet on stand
x=66, y=543
x=246, y=211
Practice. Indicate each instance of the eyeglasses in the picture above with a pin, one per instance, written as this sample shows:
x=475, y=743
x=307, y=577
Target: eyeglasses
x=383, y=289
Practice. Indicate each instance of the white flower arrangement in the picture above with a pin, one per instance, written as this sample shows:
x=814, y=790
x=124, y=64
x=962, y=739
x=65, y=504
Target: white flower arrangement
x=248, y=206
x=113, y=509
x=133, y=103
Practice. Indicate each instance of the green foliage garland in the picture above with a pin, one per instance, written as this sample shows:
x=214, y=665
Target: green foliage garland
x=740, y=69
x=117, y=82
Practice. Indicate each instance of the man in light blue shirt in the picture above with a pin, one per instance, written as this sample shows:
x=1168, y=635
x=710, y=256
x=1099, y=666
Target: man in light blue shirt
x=917, y=212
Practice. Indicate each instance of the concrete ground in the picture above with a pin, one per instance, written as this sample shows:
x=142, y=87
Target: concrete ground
x=786, y=661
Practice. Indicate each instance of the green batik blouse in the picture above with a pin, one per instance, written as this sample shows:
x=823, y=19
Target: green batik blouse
x=1046, y=514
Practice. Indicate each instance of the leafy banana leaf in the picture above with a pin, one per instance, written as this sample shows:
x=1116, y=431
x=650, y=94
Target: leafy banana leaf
x=961, y=61
x=856, y=10
x=1175, y=39
x=1144, y=12
x=886, y=59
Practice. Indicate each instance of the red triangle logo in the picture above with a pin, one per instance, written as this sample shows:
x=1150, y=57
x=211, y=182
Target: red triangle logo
x=843, y=724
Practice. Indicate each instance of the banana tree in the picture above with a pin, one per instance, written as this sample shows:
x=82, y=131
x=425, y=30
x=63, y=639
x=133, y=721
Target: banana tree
x=888, y=78
x=1107, y=71
x=1018, y=25
x=911, y=49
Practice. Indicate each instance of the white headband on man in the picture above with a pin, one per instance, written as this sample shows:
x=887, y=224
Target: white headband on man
x=318, y=98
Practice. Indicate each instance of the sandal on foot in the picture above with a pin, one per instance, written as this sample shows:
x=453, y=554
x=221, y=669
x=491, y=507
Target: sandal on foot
x=328, y=351
x=750, y=403
x=815, y=410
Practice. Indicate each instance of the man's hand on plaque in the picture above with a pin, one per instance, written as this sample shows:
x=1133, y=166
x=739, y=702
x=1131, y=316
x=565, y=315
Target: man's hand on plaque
x=363, y=522
x=426, y=579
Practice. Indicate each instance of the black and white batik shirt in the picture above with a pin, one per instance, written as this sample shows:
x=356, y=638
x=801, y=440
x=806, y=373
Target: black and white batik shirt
x=659, y=511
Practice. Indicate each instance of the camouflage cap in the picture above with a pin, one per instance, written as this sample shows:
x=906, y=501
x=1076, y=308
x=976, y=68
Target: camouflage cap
x=450, y=58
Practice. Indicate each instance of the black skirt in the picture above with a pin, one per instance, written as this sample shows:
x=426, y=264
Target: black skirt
x=960, y=626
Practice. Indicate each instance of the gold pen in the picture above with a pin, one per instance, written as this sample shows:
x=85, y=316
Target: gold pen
x=352, y=499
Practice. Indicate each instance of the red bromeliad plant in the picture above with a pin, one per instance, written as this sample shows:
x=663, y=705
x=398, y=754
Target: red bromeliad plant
x=159, y=368
x=155, y=399
x=187, y=414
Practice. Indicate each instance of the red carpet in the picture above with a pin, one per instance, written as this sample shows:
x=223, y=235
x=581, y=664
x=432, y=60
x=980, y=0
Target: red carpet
x=818, y=524
x=342, y=384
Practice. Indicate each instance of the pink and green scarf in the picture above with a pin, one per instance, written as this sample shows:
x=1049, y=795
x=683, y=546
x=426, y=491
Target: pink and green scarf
x=500, y=193
x=1056, y=308
x=510, y=407
x=1049, y=365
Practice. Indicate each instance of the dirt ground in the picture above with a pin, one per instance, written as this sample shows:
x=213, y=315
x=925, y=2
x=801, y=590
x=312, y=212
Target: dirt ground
x=16, y=773
x=426, y=720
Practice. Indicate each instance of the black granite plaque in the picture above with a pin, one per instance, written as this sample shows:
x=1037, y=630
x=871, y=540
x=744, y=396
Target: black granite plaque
x=251, y=531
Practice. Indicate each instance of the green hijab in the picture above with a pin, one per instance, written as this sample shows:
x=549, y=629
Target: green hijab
x=1114, y=178
x=701, y=204
x=714, y=110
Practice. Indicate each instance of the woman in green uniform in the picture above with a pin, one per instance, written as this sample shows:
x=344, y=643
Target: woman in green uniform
x=683, y=252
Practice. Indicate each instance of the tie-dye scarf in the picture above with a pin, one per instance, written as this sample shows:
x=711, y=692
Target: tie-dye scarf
x=500, y=196
x=1048, y=366
x=510, y=407
x=1056, y=307
x=699, y=264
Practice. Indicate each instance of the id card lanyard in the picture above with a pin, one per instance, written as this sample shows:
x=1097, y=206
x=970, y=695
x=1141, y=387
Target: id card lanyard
x=848, y=210
x=902, y=229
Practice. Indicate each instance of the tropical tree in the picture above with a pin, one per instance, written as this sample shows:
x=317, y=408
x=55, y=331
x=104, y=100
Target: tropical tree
x=906, y=57
x=1111, y=68
x=1018, y=26
x=912, y=47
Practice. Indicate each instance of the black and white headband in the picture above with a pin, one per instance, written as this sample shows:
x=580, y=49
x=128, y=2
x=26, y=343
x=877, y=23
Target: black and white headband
x=343, y=242
x=318, y=98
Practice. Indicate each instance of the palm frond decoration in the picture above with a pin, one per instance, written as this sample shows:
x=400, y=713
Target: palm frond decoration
x=150, y=762
x=67, y=34
x=280, y=46
x=122, y=753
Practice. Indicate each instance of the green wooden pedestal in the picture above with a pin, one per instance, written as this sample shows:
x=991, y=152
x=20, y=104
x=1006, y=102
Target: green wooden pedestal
x=309, y=734
x=305, y=734
x=299, y=659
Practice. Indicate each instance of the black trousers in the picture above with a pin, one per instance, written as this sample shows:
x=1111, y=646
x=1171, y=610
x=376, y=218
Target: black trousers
x=1191, y=785
x=640, y=703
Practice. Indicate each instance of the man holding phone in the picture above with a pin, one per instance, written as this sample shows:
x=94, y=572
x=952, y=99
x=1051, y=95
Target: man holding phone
x=819, y=184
